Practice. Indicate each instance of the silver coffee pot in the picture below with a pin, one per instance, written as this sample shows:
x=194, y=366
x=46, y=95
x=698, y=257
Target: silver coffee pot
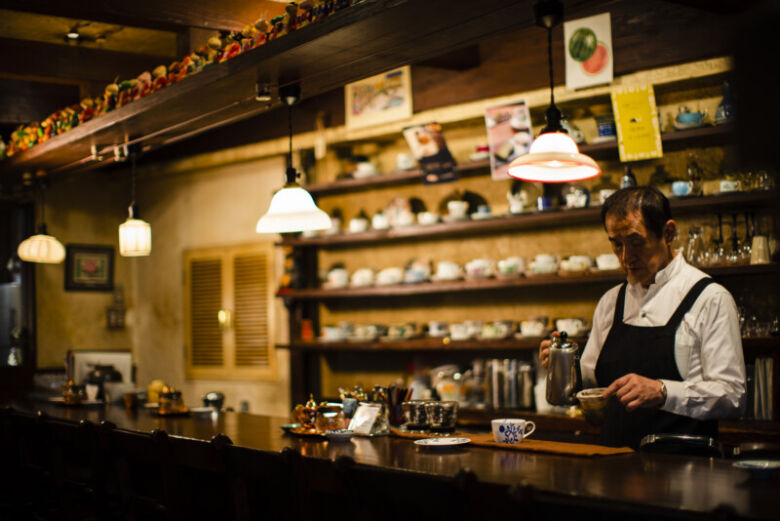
x=563, y=371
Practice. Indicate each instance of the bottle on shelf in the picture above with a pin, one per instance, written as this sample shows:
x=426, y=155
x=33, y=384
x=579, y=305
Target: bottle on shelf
x=629, y=179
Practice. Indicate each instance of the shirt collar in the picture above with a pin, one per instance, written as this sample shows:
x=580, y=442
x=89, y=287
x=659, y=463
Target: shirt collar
x=663, y=276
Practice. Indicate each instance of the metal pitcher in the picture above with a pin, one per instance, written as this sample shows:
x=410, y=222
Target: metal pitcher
x=563, y=371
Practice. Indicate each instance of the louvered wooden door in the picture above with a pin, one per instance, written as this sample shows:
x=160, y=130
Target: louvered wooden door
x=229, y=312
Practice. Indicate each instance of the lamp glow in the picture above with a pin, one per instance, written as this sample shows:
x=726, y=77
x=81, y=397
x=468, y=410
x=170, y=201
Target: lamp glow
x=292, y=209
x=135, y=237
x=554, y=158
x=41, y=248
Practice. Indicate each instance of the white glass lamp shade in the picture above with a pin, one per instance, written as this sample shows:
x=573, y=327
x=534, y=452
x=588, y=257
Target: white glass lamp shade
x=554, y=158
x=292, y=209
x=135, y=238
x=41, y=248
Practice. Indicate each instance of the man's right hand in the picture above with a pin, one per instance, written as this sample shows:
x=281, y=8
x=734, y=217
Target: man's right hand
x=544, y=351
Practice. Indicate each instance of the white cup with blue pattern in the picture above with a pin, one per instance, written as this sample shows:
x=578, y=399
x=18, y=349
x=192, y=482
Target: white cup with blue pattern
x=511, y=430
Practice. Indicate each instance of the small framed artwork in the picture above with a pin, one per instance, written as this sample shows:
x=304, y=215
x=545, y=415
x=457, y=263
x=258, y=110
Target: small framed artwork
x=379, y=99
x=89, y=268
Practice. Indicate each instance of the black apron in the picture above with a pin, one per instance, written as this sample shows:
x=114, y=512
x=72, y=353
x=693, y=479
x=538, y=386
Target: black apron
x=649, y=352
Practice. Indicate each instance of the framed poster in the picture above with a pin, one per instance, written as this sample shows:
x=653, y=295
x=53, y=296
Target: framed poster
x=430, y=149
x=509, y=135
x=89, y=268
x=379, y=99
x=588, y=48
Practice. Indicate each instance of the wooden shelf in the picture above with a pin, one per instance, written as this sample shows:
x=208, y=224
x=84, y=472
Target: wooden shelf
x=446, y=344
x=710, y=135
x=429, y=288
x=365, y=39
x=533, y=220
x=426, y=344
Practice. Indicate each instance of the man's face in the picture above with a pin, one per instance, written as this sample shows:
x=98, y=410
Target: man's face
x=641, y=253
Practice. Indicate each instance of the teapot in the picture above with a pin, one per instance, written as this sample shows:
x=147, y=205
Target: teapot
x=563, y=371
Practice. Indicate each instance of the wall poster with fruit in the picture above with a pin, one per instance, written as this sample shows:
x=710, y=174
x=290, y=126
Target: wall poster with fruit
x=588, y=46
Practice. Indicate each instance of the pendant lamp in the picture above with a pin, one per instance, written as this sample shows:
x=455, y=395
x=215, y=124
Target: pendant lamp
x=135, y=235
x=41, y=247
x=553, y=156
x=292, y=208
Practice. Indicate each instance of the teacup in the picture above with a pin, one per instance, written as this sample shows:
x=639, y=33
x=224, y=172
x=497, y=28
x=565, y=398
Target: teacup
x=681, y=188
x=532, y=328
x=337, y=278
x=459, y=331
x=545, y=259
x=367, y=331
x=404, y=161
x=480, y=268
x=390, y=276
x=511, y=430
x=607, y=261
x=517, y=201
x=437, y=328
x=729, y=185
x=457, y=209
x=576, y=263
x=427, y=218
x=473, y=327
x=362, y=278
x=358, y=225
x=365, y=169
x=447, y=270
x=571, y=326
x=686, y=117
x=333, y=333
x=405, y=218
x=379, y=221
x=511, y=266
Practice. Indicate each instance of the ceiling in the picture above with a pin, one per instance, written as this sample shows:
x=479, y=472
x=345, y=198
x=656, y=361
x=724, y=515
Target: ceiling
x=42, y=70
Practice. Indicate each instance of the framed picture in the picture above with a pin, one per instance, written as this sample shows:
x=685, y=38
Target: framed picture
x=379, y=99
x=89, y=268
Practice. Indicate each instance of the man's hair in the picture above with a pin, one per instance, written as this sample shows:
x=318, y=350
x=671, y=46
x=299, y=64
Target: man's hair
x=649, y=201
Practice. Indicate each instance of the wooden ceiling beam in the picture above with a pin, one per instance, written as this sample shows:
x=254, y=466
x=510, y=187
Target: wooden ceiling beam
x=167, y=15
x=27, y=58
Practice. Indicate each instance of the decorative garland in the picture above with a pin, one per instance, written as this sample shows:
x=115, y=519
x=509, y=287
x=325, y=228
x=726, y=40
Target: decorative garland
x=217, y=50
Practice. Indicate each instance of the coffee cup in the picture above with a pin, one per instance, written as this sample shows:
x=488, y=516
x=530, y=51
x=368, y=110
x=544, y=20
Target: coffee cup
x=337, y=278
x=365, y=169
x=457, y=209
x=511, y=430
x=405, y=218
x=390, y=276
x=437, y=328
x=459, y=331
x=404, y=161
x=607, y=261
x=517, y=201
x=473, y=327
x=571, y=326
x=427, y=218
x=511, y=266
x=532, y=328
x=358, y=225
x=333, y=333
x=545, y=259
x=447, y=270
x=729, y=185
x=362, y=278
x=379, y=221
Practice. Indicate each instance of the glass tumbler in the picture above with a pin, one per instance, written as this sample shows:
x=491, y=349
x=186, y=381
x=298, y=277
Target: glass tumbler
x=695, y=253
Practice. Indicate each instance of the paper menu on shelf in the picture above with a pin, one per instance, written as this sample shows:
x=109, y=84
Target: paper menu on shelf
x=636, y=119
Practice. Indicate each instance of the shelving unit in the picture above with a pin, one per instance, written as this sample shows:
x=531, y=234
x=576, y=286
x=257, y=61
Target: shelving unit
x=427, y=288
x=709, y=135
x=528, y=221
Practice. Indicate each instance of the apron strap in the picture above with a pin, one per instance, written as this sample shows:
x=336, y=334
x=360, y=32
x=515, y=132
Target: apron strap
x=687, y=302
x=620, y=304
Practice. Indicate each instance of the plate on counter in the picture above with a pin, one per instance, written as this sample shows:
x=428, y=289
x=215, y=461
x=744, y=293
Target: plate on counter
x=442, y=442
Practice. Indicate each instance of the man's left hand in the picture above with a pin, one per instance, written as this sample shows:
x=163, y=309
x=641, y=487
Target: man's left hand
x=636, y=391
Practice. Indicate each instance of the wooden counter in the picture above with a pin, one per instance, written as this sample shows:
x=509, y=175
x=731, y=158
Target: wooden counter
x=690, y=486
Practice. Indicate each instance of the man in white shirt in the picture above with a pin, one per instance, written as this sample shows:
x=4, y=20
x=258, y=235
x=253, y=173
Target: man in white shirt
x=667, y=343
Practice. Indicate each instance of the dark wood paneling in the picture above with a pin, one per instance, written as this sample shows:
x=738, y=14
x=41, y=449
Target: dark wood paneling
x=25, y=101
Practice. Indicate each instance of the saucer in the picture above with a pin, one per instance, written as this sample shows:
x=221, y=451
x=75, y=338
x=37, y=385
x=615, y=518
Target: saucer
x=476, y=216
x=202, y=410
x=339, y=435
x=453, y=219
x=442, y=442
x=758, y=468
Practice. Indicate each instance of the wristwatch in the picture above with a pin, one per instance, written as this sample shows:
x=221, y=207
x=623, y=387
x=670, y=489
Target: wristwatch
x=663, y=393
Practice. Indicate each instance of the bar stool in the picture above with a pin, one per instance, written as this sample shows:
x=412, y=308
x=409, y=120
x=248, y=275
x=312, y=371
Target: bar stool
x=263, y=483
x=196, y=477
x=141, y=467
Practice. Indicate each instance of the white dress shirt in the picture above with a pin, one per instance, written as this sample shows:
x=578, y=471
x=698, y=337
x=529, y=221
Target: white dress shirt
x=708, y=343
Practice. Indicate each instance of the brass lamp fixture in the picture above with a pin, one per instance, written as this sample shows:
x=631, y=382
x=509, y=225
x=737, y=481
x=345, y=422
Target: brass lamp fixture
x=292, y=208
x=554, y=156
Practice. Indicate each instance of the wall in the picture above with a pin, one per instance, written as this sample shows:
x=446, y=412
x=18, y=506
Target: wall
x=200, y=209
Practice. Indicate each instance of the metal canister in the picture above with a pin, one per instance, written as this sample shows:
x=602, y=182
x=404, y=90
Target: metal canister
x=509, y=390
x=525, y=386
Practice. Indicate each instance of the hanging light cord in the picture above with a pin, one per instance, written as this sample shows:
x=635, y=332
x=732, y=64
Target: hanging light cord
x=132, y=182
x=42, y=224
x=291, y=174
x=550, y=64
